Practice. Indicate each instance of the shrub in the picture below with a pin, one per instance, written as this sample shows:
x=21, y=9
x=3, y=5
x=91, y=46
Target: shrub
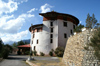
x=27, y=52
x=42, y=54
x=35, y=52
x=5, y=52
x=51, y=53
x=18, y=52
x=59, y=51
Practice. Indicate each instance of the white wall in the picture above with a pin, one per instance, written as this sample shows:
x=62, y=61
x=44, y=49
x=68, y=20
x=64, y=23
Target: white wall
x=61, y=30
x=43, y=37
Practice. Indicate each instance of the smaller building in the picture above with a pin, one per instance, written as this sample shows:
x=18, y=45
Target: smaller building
x=24, y=49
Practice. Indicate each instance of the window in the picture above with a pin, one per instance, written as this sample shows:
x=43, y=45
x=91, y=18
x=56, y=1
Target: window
x=51, y=40
x=37, y=30
x=34, y=47
x=65, y=35
x=32, y=42
x=65, y=24
x=73, y=26
x=37, y=41
x=51, y=35
x=51, y=30
x=51, y=23
x=33, y=35
x=71, y=31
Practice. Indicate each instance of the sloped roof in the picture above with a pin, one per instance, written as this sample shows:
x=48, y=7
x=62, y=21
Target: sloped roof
x=27, y=45
x=54, y=13
x=34, y=26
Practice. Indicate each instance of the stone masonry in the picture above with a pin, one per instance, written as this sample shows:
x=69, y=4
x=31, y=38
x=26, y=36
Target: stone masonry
x=75, y=54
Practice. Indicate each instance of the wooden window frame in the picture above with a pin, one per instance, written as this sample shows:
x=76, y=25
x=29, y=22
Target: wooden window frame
x=65, y=24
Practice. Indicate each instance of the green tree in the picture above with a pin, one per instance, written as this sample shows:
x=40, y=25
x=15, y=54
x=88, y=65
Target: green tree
x=91, y=21
x=1, y=47
x=26, y=42
x=97, y=25
x=14, y=45
x=20, y=43
x=59, y=51
x=95, y=43
x=78, y=28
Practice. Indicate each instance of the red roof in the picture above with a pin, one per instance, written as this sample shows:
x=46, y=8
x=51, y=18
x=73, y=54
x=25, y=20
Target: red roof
x=27, y=45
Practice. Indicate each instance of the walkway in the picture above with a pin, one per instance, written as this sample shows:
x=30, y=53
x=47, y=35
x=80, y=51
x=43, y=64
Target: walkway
x=15, y=60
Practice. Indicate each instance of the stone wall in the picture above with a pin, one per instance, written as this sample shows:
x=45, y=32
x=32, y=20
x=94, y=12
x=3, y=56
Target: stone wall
x=75, y=54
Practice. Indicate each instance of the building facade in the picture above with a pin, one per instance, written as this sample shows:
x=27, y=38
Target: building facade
x=54, y=31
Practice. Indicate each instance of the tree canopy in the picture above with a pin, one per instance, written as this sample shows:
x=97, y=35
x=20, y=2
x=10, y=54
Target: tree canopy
x=78, y=28
x=95, y=43
x=91, y=21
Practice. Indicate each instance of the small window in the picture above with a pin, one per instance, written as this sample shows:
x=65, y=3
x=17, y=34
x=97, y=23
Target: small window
x=32, y=42
x=34, y=47
x=71, y=31
x=51, y=30
x=73, y=26
x=37, y=30
x=51, y=40
x=65, y=35
x=65, y=24
x=51, y=35
x=51, y=23
x=33, y=35
x=37, y=41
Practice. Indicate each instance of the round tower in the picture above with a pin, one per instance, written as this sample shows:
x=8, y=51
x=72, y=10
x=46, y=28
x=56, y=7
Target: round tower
x=54, y=31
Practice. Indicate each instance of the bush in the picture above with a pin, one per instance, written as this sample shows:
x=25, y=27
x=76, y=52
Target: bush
x=18, y=52
x=5, y=53
x=59, y=51
x=42, y=54
x=27, y=52
x=51, y=53
x=35, y=52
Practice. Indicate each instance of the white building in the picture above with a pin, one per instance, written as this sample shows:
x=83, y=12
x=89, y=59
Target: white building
x=54, y=31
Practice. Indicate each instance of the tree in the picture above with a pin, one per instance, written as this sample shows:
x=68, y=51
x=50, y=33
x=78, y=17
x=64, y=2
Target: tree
x=14, y=45
x=26, y=42
x=59, y=51
x=95, y=43
x=91, y=21
x=97, y=25
x=20, y=43
x=78, y=28
x=1, y=47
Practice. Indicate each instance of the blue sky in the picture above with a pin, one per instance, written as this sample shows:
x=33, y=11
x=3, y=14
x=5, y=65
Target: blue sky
x=16, y=16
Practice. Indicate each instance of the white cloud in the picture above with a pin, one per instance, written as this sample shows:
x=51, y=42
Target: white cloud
x=45, y=8
x=33, y=9
x=80, y=22
x=14, y=37
x=23, y=1
x=20, y=1
x=8, y=7
x=9, y=24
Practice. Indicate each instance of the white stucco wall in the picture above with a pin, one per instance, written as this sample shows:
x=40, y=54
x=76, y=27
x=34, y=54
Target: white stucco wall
x=61, y=30
x=43, y=38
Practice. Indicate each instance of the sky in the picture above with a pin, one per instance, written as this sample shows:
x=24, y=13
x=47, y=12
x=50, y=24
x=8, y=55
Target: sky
x=16, y=16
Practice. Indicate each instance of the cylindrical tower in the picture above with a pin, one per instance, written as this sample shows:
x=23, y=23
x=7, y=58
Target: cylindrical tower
x=54, y=31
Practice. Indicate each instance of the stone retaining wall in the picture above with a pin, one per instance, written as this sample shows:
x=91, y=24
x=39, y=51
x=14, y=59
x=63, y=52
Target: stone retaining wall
x=75, y=54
